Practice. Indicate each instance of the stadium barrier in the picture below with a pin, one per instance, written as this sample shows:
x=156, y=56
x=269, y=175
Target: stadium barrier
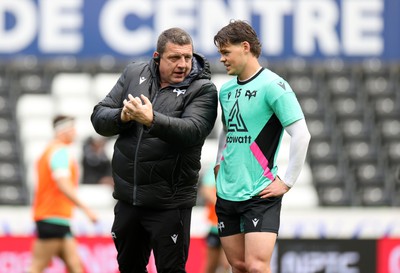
x=312, y=240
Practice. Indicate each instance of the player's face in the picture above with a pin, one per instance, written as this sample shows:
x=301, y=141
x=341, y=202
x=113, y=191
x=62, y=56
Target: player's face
x=175, y=63
x=234, y=58
x=68, y=134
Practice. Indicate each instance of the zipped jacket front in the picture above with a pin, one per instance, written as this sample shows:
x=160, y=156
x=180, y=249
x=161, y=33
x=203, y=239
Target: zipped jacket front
x=158, y=167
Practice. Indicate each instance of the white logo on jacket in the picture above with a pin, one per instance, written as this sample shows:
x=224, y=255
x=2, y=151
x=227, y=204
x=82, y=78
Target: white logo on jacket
x=142, y=79
x=179, y=91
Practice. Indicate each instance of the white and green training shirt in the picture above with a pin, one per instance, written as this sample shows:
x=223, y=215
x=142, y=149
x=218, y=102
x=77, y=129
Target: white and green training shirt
x=254, y=113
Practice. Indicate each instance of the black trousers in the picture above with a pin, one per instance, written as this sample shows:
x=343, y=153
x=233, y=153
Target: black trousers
x=137, y=230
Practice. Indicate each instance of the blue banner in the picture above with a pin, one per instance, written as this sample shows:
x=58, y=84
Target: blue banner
x=312, y=29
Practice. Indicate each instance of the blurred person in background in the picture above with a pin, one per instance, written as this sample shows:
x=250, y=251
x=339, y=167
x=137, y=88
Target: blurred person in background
x=162, y=112
x=95, y=162
x=216, y=260
x=257, y=105
x=55, y=199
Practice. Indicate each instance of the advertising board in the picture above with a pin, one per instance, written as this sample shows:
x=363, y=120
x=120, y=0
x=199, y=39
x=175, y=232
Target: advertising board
x=349, y=29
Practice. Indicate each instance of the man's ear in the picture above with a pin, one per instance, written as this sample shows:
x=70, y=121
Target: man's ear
x=156, y=57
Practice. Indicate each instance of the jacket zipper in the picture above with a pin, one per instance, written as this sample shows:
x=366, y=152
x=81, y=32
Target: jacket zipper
x=135, y=162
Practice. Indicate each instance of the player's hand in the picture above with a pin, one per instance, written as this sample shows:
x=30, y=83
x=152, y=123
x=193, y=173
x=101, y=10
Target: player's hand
x=276, y=188
x=90, y=214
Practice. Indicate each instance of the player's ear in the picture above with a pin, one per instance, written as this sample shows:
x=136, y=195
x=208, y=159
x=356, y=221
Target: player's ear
x=246, y=46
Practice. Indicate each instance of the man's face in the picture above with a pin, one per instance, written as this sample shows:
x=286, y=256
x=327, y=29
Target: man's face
x=175, y=63
x=233, y=57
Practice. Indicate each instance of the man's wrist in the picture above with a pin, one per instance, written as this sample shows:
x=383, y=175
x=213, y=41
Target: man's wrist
x=152, y=121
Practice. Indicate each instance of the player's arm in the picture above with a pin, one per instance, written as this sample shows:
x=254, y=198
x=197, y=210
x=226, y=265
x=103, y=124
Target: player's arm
x=208, y=193
x=208, y=188
x=299, y=140
x=221, y=147
x=61, y=174
x=64, y=184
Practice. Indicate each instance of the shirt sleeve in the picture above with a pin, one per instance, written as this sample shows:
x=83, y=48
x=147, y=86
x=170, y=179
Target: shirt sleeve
x=300, y=138
x=284, y=103
x=59, y=163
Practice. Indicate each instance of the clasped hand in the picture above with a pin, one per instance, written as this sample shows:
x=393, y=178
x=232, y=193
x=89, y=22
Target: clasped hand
x=137, y=109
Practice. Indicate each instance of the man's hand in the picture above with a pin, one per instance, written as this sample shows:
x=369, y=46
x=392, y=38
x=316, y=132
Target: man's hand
x=137, y=109
x=276, y=188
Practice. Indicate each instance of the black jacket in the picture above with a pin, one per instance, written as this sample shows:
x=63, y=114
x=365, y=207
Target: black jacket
x=159, y=166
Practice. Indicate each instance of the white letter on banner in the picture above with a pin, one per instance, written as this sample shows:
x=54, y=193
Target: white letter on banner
x=314, y=21
x=362, y=27
x=215, y=14
x=272, y=24
x=60, y=24
x=114, y=31
x=23, y=32
x=174, y=13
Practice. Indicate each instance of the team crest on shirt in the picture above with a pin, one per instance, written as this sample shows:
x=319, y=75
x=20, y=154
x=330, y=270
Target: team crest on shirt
x=251, y=93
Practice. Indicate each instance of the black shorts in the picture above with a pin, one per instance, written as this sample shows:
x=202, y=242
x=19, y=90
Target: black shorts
x=47, y=230
x=253, y=215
